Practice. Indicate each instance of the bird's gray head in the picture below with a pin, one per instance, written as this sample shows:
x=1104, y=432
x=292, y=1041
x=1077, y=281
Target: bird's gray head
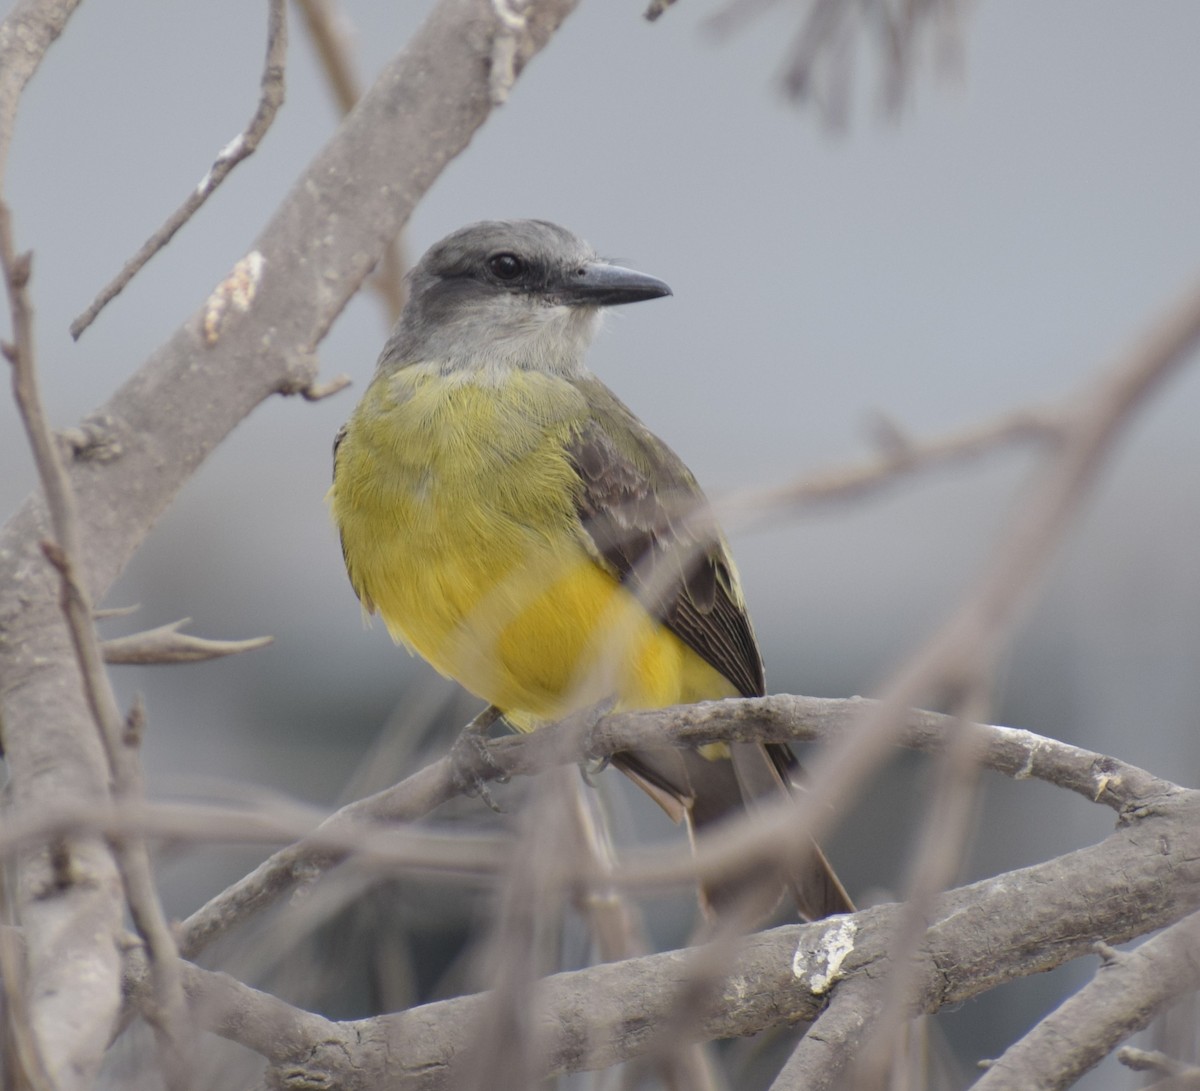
x=509, y=293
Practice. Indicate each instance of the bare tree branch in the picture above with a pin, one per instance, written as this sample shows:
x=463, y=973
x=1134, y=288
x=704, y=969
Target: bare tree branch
x=326, y=30
x=617, y=927
x=240, y=147
x=117, y=736
x=1012, y=752
x=166, y=644
x=819, y=66
x=28, y=30
x=939, y=854
x=262, y=1022
x=1128, y=991
x=899, y=456
x=822, y=1057
x=157, y=429
x=1024, y=922
x=1141, y=877
x=389, y=848
x=783, y=718
x=291, y=285
x=968, y=642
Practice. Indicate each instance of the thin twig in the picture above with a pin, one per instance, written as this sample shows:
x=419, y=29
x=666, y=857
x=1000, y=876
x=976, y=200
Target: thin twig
x=1012, y=752
x=167, y=644
x=940, y=851
x=656, y=8
x=326, y=29
x=819, y=63
x=170, y=1020
x=617, y=927
x=898, y=456
x=975, y=632
x=107, y=613
x=317, y=392
x=396, y=848
x=239, y=148
x=524, y=946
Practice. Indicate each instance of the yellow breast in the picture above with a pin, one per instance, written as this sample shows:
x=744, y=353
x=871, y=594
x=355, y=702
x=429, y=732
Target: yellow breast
x=457, y=510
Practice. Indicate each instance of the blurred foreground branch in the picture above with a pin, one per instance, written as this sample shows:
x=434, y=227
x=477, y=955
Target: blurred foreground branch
x=1011, y=752
x=820, y=64
x=120, y=773
x=1143, y=876
x=158, y=428
x=327, y=31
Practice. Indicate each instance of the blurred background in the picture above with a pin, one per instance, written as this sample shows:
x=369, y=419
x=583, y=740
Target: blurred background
x=1027, y=212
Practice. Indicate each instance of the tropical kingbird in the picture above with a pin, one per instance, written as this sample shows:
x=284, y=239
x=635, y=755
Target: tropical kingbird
x=514, y=523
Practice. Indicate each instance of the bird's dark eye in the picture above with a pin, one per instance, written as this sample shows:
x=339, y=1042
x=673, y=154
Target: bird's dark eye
x=506, y=266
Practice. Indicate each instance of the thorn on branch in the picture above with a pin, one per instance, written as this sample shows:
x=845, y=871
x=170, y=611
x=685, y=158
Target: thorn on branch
x=110, y=612
x=656, y=8
x=21, y=271
x=135, y=723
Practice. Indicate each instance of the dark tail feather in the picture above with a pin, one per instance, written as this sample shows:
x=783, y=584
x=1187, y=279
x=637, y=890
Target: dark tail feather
x=707, y=791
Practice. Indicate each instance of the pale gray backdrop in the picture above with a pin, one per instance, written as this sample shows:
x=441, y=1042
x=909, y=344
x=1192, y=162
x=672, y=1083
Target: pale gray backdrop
x=1013, y=228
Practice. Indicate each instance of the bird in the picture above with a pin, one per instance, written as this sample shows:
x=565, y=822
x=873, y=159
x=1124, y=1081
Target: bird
x=518, y=527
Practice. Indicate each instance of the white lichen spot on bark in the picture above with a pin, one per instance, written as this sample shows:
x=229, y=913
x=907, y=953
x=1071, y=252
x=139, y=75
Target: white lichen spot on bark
x=236, y=291
x=821, y=968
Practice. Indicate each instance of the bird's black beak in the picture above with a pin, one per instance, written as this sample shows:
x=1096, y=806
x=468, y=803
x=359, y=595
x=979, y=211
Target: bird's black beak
x=598, y=284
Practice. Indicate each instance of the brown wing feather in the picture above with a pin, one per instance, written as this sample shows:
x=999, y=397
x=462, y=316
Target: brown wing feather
x=643, y=514
x=640, y=508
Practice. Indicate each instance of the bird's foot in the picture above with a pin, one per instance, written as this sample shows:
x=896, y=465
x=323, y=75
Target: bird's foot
x=591, y=768
x=471, y=761
x=588, y=718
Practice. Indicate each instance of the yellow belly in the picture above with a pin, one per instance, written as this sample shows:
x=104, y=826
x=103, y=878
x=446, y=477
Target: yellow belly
x=457, y=514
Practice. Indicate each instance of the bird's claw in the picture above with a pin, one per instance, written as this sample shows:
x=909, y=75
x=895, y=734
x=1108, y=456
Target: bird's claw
x=591, y=768
x=472, y=764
